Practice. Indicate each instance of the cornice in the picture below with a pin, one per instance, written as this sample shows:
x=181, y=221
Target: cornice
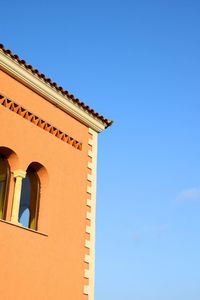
x=26, y=77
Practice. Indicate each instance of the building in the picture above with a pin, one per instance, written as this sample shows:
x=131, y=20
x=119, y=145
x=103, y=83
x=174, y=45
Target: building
x=48, y=148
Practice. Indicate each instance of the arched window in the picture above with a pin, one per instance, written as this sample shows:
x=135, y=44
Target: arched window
x=29, y=203
x=4, y=180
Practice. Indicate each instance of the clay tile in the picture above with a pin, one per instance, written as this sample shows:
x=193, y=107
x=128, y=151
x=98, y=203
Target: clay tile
x=59, y=88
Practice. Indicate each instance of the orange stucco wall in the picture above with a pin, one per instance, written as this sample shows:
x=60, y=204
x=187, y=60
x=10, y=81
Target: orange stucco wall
x=35, y=266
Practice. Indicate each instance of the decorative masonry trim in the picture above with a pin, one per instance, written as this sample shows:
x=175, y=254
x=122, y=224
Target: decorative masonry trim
x=19, y=110
x=89, y=189
x=90, y=153
x=86, y=289
x=46, y=90
x=19, y=173
x=89, y=202
x=88, y=229
x=86, y=273
x=89, y=177
x=87, y=244
x=90, y=142
x=89, y=257
x=89, y=165
x=88, y=215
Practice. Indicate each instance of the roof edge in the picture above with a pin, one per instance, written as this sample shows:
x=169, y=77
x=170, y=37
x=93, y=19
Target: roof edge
x=24, y=73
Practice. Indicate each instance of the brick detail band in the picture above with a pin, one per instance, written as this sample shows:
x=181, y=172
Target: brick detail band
x=14, y=107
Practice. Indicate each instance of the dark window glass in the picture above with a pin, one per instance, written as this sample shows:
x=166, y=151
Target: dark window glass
x=28, y=212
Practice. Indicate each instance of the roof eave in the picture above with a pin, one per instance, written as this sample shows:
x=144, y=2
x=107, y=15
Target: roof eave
x=22, y=74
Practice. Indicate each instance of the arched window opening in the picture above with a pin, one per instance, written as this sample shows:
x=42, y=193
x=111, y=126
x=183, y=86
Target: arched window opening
x=29, y=203
x=4, y=180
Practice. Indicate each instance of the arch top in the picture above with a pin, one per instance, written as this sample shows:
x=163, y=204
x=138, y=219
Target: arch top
x=39, y=169
x=10, y=155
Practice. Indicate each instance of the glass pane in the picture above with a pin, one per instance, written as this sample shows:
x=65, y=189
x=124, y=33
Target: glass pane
x=25, y=216
x=25, y=202
x=29, y=200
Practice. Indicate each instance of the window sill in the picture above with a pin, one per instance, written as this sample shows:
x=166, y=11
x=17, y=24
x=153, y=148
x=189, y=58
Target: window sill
x=25, y=228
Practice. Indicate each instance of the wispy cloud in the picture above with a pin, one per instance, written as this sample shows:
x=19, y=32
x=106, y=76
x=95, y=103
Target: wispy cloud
x=189, y=195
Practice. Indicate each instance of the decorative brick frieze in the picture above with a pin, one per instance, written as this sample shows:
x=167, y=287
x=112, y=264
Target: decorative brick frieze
x=14, y=107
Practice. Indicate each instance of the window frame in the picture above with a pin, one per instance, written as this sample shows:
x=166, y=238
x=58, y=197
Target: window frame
x=6, y=191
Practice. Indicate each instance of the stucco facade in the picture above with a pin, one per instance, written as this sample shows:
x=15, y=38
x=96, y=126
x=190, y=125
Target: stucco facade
x=55, y=261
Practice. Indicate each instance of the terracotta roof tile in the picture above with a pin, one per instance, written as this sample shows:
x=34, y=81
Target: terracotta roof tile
x=57, y=87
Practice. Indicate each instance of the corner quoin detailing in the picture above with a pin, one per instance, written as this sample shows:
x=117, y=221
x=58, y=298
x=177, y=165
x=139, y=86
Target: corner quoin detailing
x=48, y=156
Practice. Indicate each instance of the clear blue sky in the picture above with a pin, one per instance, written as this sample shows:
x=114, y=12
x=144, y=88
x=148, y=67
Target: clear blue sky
x=137, y=62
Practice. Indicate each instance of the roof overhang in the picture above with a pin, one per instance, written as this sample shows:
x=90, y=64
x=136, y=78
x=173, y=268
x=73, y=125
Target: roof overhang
x=25, y=76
